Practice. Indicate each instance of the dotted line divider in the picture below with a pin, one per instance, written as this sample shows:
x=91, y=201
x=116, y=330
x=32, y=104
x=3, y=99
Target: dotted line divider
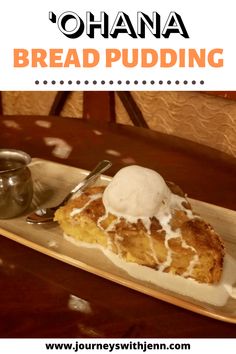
x=119, y=82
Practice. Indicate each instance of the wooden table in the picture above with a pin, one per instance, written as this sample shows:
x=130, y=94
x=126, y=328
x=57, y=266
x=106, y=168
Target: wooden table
x=35, y=289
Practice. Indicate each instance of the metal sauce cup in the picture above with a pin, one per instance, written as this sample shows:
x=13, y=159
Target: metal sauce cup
x=16, y=186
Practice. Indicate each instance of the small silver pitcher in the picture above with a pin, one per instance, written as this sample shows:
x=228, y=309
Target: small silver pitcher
x=16, y=186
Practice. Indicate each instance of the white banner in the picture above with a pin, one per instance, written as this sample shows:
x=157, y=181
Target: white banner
x=139, y=346
x=122, y=45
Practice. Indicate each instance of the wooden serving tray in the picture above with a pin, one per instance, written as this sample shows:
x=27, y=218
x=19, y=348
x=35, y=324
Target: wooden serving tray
x=51, y=183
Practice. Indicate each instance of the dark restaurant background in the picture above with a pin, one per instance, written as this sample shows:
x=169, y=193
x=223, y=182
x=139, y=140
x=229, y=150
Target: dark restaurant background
x=208, y=118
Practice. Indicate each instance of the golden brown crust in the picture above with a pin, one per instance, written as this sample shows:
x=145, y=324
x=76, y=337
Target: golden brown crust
x=197, y=253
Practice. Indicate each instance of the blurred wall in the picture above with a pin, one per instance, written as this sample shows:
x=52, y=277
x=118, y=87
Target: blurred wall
x=204, y=118
x=39, y=103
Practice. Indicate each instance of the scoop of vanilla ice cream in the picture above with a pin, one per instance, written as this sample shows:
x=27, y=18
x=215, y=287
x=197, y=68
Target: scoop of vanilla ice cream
x=137, y=192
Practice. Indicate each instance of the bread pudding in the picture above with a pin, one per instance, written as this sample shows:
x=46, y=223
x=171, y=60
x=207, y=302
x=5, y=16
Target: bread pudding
x=147, y=221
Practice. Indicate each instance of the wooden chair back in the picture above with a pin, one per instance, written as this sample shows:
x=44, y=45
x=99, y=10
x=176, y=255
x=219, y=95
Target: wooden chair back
x=100, y=105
